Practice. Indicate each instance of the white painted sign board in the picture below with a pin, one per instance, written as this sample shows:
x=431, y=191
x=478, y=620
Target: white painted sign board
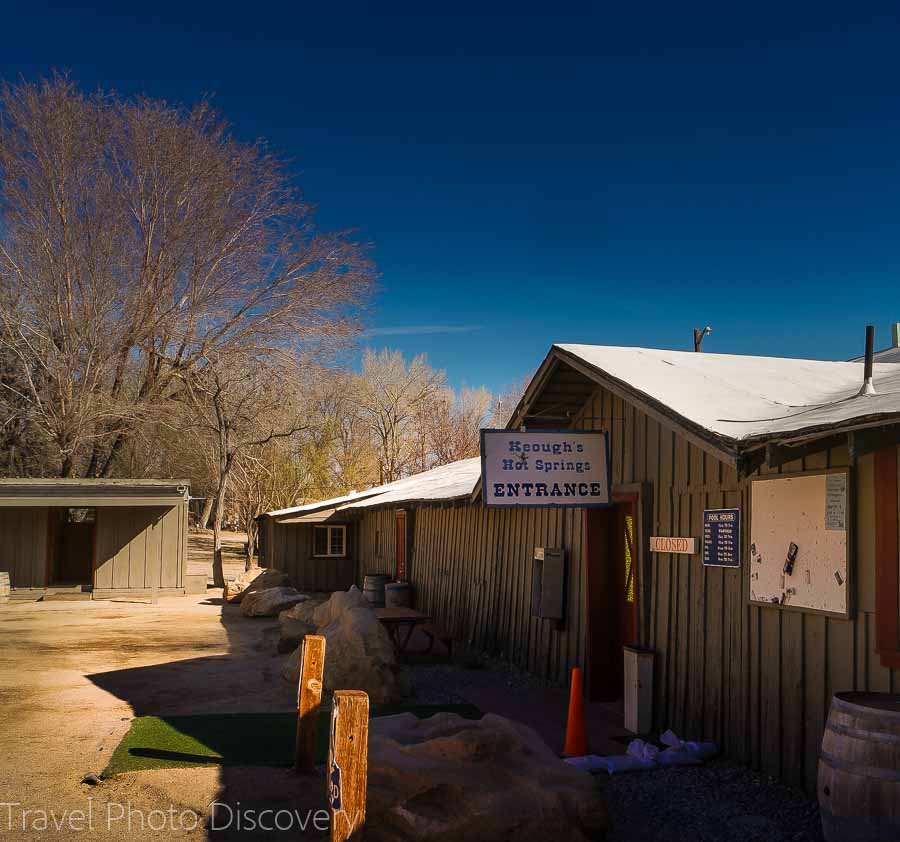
x=666, y=544
x=547, y=468
x=809, y=511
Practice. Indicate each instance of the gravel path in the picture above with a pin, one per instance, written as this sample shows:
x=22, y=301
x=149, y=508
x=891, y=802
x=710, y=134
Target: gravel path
x=719, y=801
x=444, y=683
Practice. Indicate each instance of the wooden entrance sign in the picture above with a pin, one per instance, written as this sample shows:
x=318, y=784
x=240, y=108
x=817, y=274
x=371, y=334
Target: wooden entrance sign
x=348, y=755
x=309, y=697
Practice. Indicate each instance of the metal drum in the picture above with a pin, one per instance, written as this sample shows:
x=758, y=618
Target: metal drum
x=373, y=589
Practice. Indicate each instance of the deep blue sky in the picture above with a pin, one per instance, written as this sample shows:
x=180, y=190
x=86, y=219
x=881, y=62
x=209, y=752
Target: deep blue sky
x=608, y=173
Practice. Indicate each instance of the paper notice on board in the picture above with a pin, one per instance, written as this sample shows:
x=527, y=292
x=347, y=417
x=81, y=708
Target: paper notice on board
x=836, y=502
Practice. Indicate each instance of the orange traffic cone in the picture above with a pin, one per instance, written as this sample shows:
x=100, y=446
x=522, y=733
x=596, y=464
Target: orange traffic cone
x=576, y=731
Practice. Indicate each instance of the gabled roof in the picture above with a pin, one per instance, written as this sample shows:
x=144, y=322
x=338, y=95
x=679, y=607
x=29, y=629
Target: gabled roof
x=730, y=402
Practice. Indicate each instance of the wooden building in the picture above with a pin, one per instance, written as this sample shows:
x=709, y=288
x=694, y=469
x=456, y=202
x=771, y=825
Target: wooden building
x=100, y=537
x=688, y=434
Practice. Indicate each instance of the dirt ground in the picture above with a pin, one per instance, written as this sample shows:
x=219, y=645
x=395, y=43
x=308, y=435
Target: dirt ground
x=200, y=553
x=74, y=674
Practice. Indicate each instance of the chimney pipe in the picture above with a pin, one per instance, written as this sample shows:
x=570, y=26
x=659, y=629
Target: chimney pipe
x=895, y=335
x=699, y=335
x=868, y=388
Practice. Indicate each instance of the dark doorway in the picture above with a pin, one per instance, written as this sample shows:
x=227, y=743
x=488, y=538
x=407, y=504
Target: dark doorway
x=400, y=544
x=612, y=595
x=74, y=536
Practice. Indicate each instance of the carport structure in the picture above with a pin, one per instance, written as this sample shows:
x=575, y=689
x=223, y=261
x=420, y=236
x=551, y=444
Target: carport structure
x=100, y=537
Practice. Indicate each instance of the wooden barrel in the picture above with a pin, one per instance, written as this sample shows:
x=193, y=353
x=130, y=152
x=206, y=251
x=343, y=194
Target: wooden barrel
x=859, y=769
x=4, y=587
x=397, y=595
x=373, y=589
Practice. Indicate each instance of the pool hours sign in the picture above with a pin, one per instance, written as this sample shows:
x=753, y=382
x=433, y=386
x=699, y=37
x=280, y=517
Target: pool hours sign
x=550, y=468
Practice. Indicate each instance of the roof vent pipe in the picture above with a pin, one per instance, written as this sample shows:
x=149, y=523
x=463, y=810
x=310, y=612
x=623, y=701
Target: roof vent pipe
x=868, y=387
x=895, y=335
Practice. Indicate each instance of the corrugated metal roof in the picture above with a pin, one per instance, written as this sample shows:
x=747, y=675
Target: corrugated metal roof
x=320, y=504
x=744, y=398
x=447, y=482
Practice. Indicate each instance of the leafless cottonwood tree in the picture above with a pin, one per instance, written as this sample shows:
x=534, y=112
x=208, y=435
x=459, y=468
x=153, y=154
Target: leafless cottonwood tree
x=237, y=405
x=390, y=394
x=138, y=242
x=450, y=426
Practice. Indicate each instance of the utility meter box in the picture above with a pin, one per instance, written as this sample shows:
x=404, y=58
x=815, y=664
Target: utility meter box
x=548, y=583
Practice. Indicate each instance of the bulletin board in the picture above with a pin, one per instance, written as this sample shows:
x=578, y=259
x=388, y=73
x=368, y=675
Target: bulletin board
x=799, y=541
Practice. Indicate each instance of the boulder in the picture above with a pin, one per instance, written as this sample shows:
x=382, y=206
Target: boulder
x=269, y=602
x=359, y=654
x=339, y=602
x=447, y=778
x=254, y=579
x=295, y=623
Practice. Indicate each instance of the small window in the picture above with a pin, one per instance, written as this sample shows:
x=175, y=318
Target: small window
x=329, y=541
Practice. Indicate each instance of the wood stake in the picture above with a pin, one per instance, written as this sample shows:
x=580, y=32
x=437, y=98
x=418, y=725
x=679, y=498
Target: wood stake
x=348, y=756
x=309, y=697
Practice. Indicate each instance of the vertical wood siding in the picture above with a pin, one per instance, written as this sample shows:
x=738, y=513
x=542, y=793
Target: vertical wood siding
x=291, y=552
x=23, y=537
x=755, y=679
x=141, y=548
x=471, y=569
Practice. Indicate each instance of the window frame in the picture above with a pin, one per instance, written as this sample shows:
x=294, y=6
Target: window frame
x=329, y=527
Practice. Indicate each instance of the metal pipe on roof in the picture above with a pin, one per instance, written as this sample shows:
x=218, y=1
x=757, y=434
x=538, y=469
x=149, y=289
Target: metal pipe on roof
x=868, y=387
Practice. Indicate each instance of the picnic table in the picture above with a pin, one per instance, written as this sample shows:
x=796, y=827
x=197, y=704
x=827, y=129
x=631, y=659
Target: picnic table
x=395, y=620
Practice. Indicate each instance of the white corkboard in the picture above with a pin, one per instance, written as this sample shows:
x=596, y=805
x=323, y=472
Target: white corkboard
x=812, y=511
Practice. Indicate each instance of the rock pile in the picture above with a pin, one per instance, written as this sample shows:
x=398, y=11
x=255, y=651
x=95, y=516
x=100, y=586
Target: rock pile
x=359, y=654
x=254, y=579
x=447, y=778
x=271, y=601
x=295, y=623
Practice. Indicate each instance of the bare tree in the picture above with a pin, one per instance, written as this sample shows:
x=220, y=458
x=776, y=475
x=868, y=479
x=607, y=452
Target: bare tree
x=238, y=405
x=390, y=394
x=139, y=241
x=451, y=425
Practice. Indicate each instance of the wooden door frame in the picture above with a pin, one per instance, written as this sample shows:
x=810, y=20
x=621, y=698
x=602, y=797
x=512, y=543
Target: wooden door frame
x=52, y=534
x=401, y=516
x=640, y=497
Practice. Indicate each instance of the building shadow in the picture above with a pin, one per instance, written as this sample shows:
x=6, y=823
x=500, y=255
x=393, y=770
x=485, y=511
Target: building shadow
x=236, y=707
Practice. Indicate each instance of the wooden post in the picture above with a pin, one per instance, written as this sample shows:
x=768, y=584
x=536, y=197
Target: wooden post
x=309, y=696
x=348, y=756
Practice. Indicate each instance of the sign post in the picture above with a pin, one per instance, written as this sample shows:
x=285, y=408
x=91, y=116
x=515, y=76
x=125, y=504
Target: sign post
x=547, y=468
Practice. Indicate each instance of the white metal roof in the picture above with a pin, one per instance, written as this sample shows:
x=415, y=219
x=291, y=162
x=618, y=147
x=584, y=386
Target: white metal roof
x=448, y=482
x=320, y=504
x=746, y=397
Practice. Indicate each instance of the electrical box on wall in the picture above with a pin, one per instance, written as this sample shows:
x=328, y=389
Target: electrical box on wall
x=548, y=583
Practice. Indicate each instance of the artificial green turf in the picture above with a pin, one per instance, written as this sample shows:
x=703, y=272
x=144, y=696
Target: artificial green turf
x=232, y=739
